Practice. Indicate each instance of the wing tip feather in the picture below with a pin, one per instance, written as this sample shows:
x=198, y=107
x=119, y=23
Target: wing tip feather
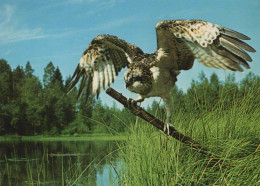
x=235, y=34
x=74, y=79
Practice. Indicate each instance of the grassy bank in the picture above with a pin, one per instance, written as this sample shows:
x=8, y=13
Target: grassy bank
x=96, y=137
x=233, y=135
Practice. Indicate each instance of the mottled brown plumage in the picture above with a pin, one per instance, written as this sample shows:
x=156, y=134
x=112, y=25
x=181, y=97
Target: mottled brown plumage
x=179, y=43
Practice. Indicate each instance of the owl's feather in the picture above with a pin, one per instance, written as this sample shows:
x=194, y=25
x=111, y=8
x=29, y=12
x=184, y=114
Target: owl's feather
x=179, y=43
x=101, y=62
x=211, y=44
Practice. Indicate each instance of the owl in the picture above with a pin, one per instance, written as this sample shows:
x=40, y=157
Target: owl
x=179, y=43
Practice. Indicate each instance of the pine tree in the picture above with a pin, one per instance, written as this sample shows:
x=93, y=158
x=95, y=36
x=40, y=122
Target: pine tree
x=49, y=98
x=31, y=95
x=5, y=82
x=5, y=96
x=48, y=74
x=57, y=78
x=214, y=91
x=28, y=69
x=18, y=82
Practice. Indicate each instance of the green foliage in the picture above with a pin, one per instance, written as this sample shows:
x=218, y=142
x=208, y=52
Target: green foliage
x=223, y=116
x=111, y=120
x=48, y=74
x=30, y=107
x=28, y=69
x=76, y=127
x=230, y=132
x=5, y=82
x=57, y=78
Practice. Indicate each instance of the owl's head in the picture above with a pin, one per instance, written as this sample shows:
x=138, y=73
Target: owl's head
x=138, y=79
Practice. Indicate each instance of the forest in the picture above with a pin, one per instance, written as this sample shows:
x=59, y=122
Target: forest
x=29, y=106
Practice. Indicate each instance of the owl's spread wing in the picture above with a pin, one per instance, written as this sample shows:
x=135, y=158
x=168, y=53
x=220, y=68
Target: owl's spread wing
x=101, y=62
x=182, y=41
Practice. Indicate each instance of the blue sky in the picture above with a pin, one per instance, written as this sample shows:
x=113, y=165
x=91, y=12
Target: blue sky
x=59, y=31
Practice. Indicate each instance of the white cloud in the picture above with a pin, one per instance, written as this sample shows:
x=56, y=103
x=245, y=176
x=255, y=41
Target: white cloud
x=99, y=6
x=7, y=12
x=11, y=30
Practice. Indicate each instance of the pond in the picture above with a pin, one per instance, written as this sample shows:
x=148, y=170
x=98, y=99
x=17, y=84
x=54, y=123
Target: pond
x=59, y=163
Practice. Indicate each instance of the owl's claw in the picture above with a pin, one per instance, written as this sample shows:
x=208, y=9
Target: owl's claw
x=132, y=105
x=138, y=103
x=166, y=128
x=131, y=102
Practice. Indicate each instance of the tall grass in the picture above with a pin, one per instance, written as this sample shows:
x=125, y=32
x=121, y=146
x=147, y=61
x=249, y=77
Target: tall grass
x=151, y=158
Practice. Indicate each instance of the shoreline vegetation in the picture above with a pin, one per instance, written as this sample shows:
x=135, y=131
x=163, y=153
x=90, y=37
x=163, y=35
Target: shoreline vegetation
x=233, y=135
x=85, y=137
x=223, y=116
x=31, y=107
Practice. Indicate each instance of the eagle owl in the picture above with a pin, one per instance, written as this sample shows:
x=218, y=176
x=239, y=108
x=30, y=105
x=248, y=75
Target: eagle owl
x=179, y=43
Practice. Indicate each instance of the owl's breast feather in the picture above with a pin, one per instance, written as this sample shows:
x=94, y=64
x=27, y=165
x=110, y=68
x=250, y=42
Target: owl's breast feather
x=162, y=82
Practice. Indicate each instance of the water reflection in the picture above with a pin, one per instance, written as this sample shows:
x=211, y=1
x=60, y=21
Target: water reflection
x=58, y=163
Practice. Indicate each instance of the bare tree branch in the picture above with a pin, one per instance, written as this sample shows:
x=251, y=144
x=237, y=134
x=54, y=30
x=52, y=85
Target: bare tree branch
x=140, y=112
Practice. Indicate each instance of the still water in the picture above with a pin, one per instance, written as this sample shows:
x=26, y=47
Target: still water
x=59, y=163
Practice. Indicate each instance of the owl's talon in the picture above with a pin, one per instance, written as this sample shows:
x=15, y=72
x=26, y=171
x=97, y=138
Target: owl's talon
x=131, y=102
x=138, y=103
x=166, y=128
